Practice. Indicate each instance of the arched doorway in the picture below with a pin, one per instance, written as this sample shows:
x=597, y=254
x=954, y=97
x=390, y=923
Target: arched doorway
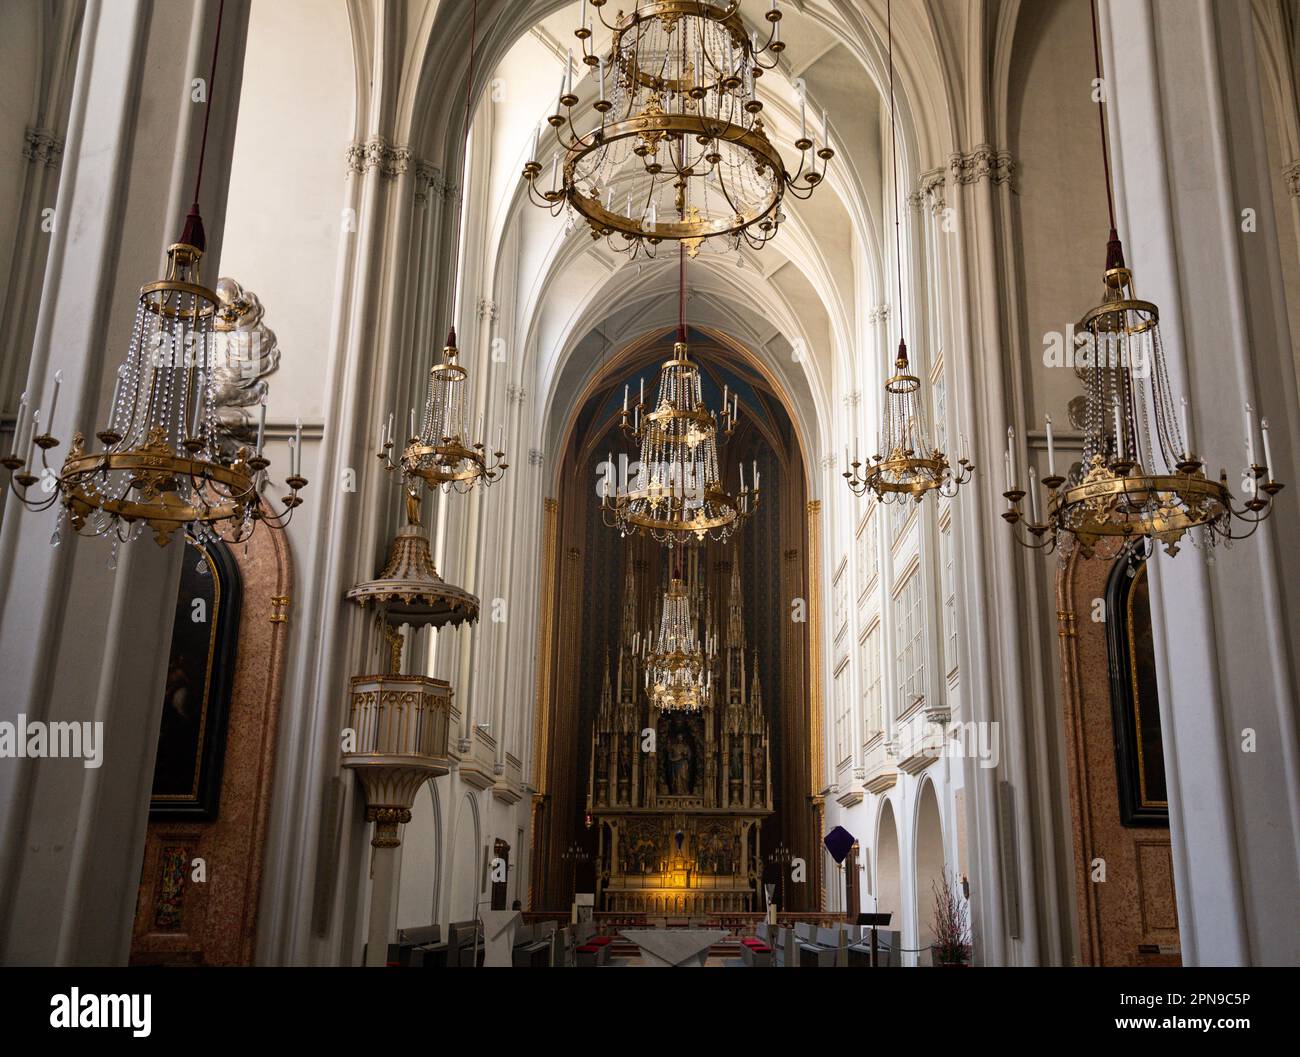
x=417, y=893
x=888, y=875
x=464, y=871
x=929, y=863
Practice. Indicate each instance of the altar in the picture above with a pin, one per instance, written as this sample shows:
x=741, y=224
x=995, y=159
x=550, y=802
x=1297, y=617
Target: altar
x=679, y=815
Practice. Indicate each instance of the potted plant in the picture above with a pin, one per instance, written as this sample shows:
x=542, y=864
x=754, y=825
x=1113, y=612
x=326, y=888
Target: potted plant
x=951, y=925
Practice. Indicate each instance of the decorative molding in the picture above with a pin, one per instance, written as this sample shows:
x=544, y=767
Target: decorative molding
x=375, y=153
x=428, y=180
x=828, y=461
x=931, y=186
x=881, y=781
x=516, y=394
x=984, y=162
x=879, y=314
x=40, y=145
x=535, y=457
x=1292, y=174
x=915, y=200
x=488, y=309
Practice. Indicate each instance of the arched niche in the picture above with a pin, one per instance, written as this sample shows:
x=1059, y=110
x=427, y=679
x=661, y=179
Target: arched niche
x=463, y=874
x=889, y=888
x=417, y=892
x=928, y=853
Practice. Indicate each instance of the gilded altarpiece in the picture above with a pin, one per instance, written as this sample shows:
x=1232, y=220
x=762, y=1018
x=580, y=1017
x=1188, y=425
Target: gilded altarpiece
x=679, y=811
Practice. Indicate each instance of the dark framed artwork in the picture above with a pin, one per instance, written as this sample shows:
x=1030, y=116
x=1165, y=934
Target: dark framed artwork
x=196, y=695
x=1135, y=699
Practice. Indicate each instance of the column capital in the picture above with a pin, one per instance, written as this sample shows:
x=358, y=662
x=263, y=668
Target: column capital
x=982, y=162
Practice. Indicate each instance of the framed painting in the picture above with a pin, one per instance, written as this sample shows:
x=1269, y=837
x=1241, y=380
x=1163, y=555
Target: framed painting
x=196, y=696
x=1135, y=699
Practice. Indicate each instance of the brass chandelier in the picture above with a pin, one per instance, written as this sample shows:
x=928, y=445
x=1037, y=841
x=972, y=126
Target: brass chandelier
x=678, y=665
x=1140, y=478
x=439, y=450
x=679, y=151
x=677, y=495
x=907, y=464
x=163, y=463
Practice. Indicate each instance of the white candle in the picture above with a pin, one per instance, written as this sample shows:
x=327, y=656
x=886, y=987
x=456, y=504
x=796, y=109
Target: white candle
x=412, y=433
x=54, y=400
x=1033, y=495
x=1250, y=435
x=625, y=391
x=1051, y=448
x=479, y=431
x=555, y=171
x=1188, y=447
x=501, y=436
x=559, y=103
x=643, y=390
x=18, y=425
x=1006, y=456
x=261, y=424
x=742, y=476
x=388, y=437
x=847, y=464
x=583, y=20
x=31, y=439
x=803, y=115
x=297, y=446
x=1011, y=457
x=1268, y=454
x=568, y=70
x=537, y=136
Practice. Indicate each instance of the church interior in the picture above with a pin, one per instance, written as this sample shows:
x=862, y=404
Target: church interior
x=614, y=483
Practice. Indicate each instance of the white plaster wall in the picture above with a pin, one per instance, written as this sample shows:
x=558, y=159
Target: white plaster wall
x=287, y=186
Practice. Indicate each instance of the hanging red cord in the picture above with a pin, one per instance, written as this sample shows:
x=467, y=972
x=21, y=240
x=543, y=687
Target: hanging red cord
x=193, y=234
x=1114, y=248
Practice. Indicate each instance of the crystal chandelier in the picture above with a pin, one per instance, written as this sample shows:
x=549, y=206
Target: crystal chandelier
x=162, y=463
x=679, y=151
x=677, y=496
x=678, y=666
x=907, y=465
x=438, y=449
x=1140, y=478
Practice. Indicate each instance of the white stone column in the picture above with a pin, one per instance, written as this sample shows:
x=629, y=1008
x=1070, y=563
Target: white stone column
x=81, y=642
x=1189, y=156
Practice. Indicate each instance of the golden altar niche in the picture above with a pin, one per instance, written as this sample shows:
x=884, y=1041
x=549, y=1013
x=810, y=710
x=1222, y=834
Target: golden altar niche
x=679, y=815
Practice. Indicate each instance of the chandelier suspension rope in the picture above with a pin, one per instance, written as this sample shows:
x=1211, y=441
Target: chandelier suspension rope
x=438, y=450
x=906, y=464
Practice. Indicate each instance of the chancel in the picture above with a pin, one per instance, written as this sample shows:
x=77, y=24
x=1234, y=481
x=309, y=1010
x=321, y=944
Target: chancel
x=682, y=483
